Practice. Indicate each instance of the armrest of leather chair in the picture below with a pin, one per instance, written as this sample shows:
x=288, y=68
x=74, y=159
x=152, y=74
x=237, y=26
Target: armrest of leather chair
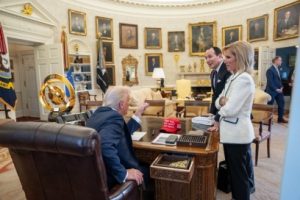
x=127, y=190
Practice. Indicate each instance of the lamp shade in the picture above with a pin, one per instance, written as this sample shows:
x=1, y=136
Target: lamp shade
x=158, y=73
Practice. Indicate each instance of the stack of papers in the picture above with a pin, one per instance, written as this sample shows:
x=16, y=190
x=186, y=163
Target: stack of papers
x=137, y=136
x=203, y=120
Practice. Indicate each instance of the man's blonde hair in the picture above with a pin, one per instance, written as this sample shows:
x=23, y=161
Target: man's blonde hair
x=244, y=55
x=114, y=95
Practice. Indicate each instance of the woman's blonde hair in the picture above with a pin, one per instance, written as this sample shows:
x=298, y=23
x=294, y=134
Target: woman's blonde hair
x=244, y=55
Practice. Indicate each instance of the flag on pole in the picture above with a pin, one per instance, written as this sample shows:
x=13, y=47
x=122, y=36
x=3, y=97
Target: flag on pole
x=102, y=76
x=7, y=92
x=64, y=41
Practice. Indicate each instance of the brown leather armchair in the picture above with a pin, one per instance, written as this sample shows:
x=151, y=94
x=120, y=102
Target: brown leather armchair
x=60, y=162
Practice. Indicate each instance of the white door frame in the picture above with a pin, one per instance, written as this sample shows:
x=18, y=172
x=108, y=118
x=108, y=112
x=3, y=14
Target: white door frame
x=15, y=25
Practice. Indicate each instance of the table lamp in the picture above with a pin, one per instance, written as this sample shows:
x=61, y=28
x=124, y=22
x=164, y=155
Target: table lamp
x=159, y=73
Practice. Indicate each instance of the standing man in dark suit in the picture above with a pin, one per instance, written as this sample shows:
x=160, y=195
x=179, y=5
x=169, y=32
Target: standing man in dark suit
x=219, y=74
x=117, y=151
x=274, y=87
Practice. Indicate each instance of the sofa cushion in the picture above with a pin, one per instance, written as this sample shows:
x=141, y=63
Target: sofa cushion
x=139, y=96
x=261, y=97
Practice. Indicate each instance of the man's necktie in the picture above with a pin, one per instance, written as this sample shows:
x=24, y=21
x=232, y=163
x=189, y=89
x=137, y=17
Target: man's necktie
x=214, y=78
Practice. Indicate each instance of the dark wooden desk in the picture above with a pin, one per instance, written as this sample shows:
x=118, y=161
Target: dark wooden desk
x=203, y=182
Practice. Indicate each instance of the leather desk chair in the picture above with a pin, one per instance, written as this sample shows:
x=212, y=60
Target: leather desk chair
x=60, y=162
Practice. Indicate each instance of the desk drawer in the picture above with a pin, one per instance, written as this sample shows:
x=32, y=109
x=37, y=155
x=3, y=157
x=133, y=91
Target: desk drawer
x=171, y=167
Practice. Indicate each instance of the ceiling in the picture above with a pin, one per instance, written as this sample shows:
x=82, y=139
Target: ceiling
x=168, y=8
x=169, y=3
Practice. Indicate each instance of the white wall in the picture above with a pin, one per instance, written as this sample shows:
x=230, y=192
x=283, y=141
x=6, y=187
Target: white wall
x=54, y=14
x=60, y=10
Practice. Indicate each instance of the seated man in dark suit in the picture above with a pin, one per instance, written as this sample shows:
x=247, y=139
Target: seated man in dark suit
x=117, y=151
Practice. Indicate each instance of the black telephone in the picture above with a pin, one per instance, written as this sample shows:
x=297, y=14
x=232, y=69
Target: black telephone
x=172, y=139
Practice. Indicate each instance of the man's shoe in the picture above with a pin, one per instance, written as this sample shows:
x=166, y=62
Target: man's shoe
x=252, y=190
x=282, y=121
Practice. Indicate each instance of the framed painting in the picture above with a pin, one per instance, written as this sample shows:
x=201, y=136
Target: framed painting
x=128, y=36
x=77, y=22
x=105, y=27
x=202, y=36
x=108, y=51
x=176, y=42
x=231, y=34
x=111, y=73
x=257, y=28
x=152, y=38
x=152, y=60
x=130, y=75
x=286, y=21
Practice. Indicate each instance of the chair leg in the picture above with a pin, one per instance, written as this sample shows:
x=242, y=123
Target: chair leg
x=268, y=147
x=256, y=153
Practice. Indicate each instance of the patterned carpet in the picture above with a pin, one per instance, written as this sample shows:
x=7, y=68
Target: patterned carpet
x=268, y=173
x=5, y=160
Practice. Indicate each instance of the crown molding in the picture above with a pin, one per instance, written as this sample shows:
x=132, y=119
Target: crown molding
x=168, y=3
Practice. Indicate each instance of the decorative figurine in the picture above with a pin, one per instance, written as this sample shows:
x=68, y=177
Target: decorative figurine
x=202, y=69
x=27, y=9
x=182, y=68
x=190, y=68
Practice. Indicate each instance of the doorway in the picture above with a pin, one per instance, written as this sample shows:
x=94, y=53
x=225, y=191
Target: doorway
x=25, y=81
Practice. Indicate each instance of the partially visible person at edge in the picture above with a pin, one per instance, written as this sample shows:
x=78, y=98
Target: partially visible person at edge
x=233, y=118
x=275, y=88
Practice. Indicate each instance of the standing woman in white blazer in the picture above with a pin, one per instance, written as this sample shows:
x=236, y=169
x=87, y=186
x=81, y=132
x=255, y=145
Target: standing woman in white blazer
x=233, y=119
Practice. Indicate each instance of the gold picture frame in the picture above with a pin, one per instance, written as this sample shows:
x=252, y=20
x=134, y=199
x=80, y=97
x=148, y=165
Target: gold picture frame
x=130, y=75
x=257, y=28
x=176, y=41
x=105, y=27
x=128, y=36
x=152, y=38
x=77, y=22
x=202, y=36
x=108, y=51
x=152, y=60
x=231, y=34
x=286, y=21
x=111, y=73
